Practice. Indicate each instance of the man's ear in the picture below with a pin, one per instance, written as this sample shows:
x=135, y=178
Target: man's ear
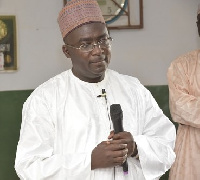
x=65, y=51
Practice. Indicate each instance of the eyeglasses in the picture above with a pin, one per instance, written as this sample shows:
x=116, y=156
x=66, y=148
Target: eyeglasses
x=88, y=47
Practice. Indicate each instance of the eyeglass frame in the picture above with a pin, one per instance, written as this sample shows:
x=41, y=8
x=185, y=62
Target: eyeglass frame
x=93, y=45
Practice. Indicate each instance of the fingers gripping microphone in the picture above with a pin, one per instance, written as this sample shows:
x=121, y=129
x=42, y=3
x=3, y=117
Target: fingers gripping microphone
x=117, y=119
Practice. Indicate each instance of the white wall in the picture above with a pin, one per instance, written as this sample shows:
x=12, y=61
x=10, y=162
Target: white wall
x=169, y=31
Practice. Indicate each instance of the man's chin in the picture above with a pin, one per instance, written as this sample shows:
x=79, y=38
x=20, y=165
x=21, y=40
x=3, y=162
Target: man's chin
x=99, y=74
x=100, y=70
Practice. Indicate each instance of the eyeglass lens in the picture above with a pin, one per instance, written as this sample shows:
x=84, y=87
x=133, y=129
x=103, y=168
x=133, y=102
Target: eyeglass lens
x=101, y=44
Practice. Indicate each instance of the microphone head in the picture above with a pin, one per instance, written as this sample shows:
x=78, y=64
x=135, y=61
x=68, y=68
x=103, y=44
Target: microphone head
x=116, y=112
x=115, y=109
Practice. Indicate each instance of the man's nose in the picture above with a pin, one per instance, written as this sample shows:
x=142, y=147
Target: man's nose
x=97, y=48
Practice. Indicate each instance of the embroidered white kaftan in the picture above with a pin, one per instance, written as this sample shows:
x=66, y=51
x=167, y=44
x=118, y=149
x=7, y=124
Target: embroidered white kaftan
x=184, y=88
x=64, y=120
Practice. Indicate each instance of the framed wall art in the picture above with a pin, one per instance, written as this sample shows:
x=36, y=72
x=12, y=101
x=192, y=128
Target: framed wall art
x=121, y=14
x=8, y=45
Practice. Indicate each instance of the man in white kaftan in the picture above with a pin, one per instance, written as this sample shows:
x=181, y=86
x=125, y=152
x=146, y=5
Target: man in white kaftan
x=66, y=125
x=63, y=120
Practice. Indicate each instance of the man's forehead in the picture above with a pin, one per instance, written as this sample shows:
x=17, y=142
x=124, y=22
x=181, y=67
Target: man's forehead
x=88, y=32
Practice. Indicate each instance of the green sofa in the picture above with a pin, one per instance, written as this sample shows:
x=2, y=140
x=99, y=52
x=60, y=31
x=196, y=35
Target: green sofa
x=11, y=103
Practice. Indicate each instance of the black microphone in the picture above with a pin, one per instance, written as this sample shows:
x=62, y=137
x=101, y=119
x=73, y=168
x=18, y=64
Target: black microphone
x=117, y=119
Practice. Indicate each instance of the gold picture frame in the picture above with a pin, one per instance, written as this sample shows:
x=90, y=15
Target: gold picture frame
x=8, y=44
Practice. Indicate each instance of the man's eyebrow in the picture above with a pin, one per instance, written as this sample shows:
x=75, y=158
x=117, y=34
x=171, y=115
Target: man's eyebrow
x=85, y=39
x=91, y=39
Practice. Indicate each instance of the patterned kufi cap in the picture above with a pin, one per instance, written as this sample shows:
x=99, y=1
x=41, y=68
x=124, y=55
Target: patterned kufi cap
x=78, y=12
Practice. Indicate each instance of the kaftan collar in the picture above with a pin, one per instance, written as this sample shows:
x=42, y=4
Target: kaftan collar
x=100, y=84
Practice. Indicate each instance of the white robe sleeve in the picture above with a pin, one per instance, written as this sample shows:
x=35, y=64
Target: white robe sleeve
x=36, y=158
x=156, y=141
